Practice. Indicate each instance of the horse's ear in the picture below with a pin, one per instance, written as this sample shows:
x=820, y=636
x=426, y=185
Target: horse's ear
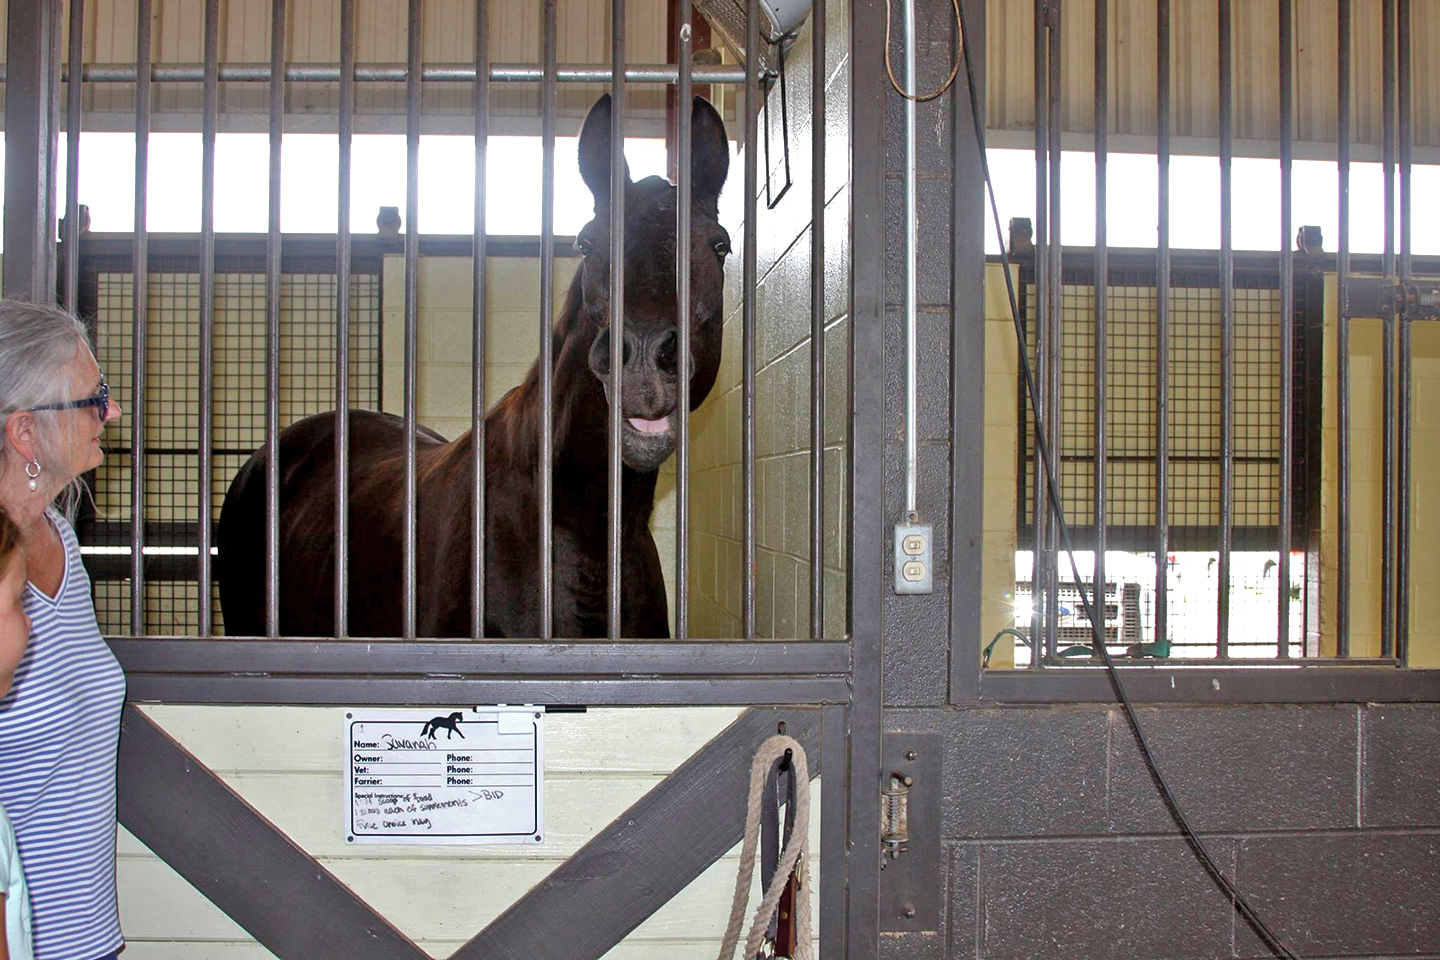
x=709, y=151
x=595, y=151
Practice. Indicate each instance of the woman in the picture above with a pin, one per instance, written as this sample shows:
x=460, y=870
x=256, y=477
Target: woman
x=60, y=724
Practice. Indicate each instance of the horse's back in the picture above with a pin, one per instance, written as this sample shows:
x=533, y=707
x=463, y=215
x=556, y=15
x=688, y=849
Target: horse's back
x=307, y=520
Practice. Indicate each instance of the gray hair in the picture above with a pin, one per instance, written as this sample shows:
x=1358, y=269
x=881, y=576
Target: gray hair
x=38, y=342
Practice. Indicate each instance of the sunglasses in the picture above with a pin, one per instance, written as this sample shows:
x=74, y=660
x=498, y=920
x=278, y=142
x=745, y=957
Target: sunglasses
x=101, y=400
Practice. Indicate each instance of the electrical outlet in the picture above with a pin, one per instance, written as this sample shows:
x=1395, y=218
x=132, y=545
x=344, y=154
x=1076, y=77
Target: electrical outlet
x=914, y=559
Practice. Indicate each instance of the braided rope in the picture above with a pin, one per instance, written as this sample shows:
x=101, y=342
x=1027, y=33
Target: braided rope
x=796, y=852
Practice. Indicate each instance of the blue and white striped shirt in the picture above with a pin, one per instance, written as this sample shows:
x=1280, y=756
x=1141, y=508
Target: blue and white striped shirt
x=59, y=734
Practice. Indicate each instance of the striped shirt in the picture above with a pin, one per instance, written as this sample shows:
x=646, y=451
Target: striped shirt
x=59, y=733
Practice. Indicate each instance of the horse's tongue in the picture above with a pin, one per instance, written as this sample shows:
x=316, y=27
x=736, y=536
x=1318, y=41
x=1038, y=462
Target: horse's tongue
x=650, y=426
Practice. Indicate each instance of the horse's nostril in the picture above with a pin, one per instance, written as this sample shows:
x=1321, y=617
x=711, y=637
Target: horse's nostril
x=667, y=347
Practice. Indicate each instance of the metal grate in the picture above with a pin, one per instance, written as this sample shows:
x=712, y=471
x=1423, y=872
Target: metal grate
x=307, y=386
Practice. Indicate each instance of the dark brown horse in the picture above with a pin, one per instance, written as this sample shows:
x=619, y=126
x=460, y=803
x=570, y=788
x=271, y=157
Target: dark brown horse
x=512, y=452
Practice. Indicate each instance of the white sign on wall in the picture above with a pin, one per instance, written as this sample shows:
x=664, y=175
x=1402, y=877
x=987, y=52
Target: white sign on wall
x=442, y=777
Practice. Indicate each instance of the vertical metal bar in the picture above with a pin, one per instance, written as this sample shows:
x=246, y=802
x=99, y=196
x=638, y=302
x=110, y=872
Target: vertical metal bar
x=617, y=301
x=272, y=324
x=832, y=827
x=752, y=145
x=207, y=305
x=139, y=330
x=1102, y=282
x=30, y=145
x=52, y=107
x=817, y=322
x=74, y=88
x=684, y=110
x=1387, y=364
x=1403, y=385
x=412, y=284
x=1287, y=320
x=547, y=284
x=1040, y=510
x=1055, y=279
x=912, y=333
x=342, y=324
x=1227, y=339
x=1342, y=282
x=478, y=323
x=1162, y=324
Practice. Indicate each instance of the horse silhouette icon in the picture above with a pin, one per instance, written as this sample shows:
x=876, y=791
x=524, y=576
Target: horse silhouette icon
x=450, y=723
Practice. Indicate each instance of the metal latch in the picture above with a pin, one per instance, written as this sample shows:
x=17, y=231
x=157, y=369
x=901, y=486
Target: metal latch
x=895, y=815
x=1376, y=297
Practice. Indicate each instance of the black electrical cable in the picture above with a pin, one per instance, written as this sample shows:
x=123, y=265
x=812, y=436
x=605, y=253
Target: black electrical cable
x=1242, y=906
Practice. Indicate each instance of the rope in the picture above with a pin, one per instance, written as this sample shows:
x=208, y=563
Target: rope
x=795, y=852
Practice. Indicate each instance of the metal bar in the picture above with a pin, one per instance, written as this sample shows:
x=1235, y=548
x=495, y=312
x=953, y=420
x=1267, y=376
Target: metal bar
x=912, y=323
x=1250, y=684
x=684, y=113
x=866, y=519
x=1387, y=365
x=1342, y=283
x=394, y=657
x=207, y=309
x=73, y=104
x=342, y=323
x=412, y=284
x=1054, y=280
x=617, y=304
x=139, y=329
x=1403, y=377
x=479, y=290
x=1162, y=323
x=817, y=321
x=657, y=73
x=51, y=104
x=370, y=691
x=1287, y=321
x=747, y=416
x=30, y=144
x=833, y=843
x=201, y=827
x=272, y=327
x=1040, y=510
x=1102, y=284
x=547, y=284
x=647, y=854
x=1227, y=336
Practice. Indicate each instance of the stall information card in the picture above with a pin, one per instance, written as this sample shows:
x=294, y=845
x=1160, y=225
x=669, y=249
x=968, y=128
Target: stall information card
x=428, y=776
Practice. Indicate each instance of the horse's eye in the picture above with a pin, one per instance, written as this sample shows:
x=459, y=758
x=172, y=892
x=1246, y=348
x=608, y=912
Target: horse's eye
x=584, y=246
x=722, y=248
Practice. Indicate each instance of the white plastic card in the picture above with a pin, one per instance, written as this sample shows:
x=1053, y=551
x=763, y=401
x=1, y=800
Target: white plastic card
x=432, y=776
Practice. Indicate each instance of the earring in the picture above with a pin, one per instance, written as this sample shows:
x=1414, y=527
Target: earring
x=33, y=465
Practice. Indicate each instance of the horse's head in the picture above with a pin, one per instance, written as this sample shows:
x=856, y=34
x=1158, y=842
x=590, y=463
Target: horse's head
x=649, y=390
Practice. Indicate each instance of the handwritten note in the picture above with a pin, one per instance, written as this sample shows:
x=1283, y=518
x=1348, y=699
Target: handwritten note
x=445, y=777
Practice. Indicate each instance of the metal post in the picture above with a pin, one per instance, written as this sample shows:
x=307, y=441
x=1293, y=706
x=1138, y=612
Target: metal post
x=1040, y=511
x=479, y=322
x=1403, y=377
x=412, y=284
x=1287, y=321
x=140, y=300
x=1342, y=281
x=73, y=103
x=1102, y=278
x=617, y=303
x=1387, y=366
x=817, y=322
x=1162, y=324
x=1054, y=282
x=272, y=325
x=342, y=324
x=547, y=284
x=1227, y=340
x=752, y=144
x=912, y=322
x=684, y=109
x=30, y=144
x=207, y=309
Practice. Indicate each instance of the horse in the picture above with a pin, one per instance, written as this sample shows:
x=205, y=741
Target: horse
x=444, y=503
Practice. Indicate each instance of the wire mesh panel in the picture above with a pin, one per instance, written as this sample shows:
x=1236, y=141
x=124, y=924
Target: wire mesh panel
x=307, y=386
x=1193, y=462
